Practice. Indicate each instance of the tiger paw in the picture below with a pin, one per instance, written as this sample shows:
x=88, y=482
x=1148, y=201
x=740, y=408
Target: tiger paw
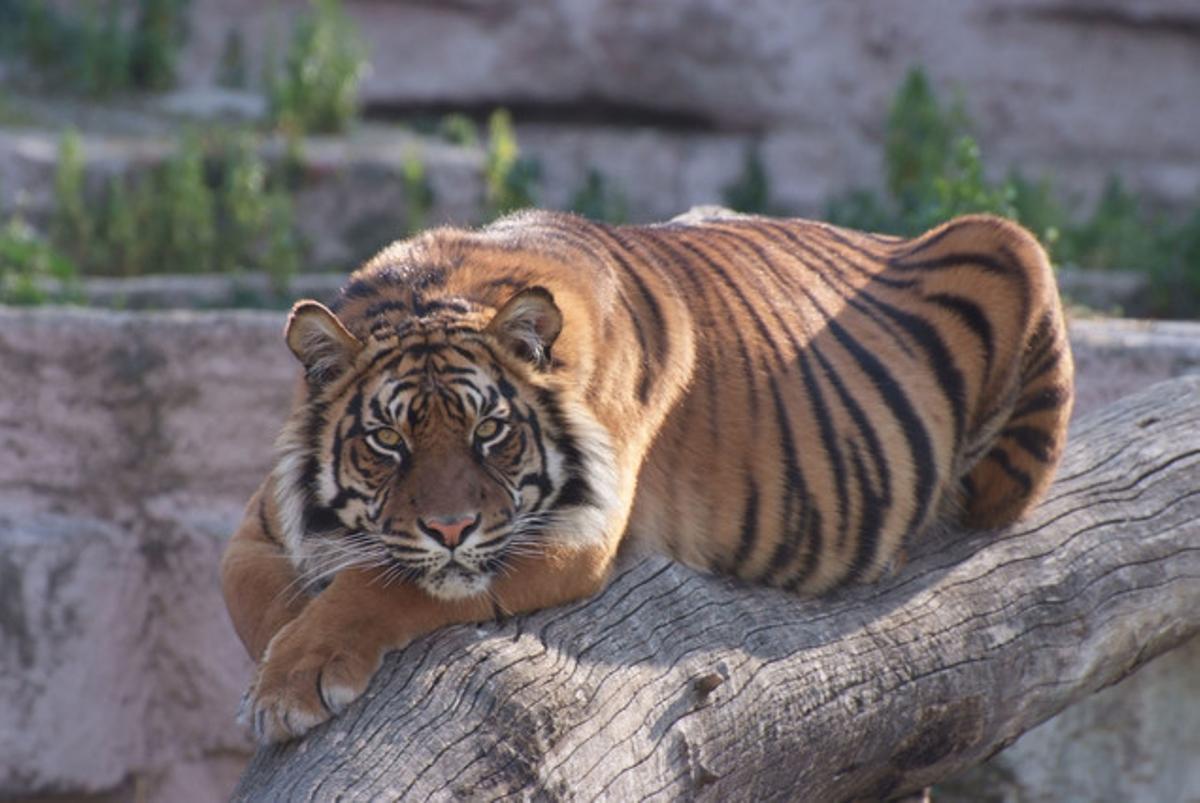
x=304, y=680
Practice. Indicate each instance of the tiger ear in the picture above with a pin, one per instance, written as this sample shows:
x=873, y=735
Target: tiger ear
x=320, y=341
x=528, y=324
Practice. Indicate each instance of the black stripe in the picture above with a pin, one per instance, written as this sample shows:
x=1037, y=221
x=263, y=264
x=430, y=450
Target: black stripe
x=925, y=242
x=700, y=303
x=362, y=287
x=1033, y=440
x=1044, y=399
x=974, y=317
x=748, y=536
x=264, y=521
x=914, y=430
x=939, y=358
x=916, y=434
x=800, y=523
x=988, y=262
x=875, y=502
x=829, y=441
x=381, y=308
x=643, y=385
x=871, y=509
x=910, y=423
x=617, y=247
x=1000, y=458
x=576, y=491
x=732, y=286
x=1048, y=363
x=938, y=355
x=876, y=259
x=854, y=303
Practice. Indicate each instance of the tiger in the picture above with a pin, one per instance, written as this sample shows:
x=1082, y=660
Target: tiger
x=488, y=416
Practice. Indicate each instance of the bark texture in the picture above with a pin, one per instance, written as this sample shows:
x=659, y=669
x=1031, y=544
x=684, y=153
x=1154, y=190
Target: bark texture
x=676, y=685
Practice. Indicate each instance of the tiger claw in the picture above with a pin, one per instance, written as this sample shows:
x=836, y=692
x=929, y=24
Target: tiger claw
x=301, y=685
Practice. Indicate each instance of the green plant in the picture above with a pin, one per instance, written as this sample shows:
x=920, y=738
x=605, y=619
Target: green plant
x=751, y=191
x=509, y=179
x=92, y=49
x=231, y=68
x=186, y=229
x=598, y=201
x=243, y=201
x=325, y=62
x=935, y=171
x=158, y=31
x=919, y=142
x=284, y=248
x=933, y=166
x=123, y=244
x=458, y=129
x=418, y=192
x=72, y=227
x=1037, y=207
x=960, y=188
x=105, y=51
x=29, y=265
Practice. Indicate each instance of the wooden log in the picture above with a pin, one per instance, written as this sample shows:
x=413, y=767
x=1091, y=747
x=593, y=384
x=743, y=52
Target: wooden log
x=676, y=685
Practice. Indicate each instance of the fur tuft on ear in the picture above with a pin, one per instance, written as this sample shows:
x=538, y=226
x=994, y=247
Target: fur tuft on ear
x=319, y=340
x=528, y=324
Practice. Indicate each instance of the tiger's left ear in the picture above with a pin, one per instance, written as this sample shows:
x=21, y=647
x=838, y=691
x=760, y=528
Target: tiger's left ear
x=320, y=341
x=528, y=325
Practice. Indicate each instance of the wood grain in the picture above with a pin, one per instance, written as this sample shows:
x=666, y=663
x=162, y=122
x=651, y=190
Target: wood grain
x=676, y=685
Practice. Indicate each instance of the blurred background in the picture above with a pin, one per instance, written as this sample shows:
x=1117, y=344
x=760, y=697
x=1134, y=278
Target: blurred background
x=154, y=137
x=161, y=155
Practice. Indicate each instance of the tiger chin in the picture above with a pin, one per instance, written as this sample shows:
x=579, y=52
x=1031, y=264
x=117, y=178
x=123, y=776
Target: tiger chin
x=487, y=416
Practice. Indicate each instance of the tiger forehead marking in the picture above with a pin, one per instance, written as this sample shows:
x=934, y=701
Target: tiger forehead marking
x=448, y=379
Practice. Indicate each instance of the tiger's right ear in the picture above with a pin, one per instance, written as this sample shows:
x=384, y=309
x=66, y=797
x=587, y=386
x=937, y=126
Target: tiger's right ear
x=319, y=340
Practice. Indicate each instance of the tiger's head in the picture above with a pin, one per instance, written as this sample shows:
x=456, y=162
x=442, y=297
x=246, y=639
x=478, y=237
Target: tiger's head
x=438, y=450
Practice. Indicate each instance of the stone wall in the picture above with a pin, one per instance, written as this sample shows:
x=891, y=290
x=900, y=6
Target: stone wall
x=129, y=443
x=1077, y=89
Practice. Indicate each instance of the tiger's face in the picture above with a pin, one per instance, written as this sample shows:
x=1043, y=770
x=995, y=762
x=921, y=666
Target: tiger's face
x=433, y=465
x=433, y=456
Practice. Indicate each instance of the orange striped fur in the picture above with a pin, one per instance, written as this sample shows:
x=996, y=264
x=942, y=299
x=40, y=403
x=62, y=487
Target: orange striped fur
x=782, y=400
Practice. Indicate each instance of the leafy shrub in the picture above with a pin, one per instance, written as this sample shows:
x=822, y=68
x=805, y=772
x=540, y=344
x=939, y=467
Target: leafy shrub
x=27, y=263
x=210, y=206
x=72, y=228
x=751, y=192
x=231, y=68
x=325, y=62
x=597, y=200
x=158, y=32
x=509, y=178
x=934, y=171
x=418, y=192
x=458, y=129
x=95, y=51
x=185, y=231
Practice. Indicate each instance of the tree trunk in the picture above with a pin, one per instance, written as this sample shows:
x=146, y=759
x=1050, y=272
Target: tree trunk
x=676, y=685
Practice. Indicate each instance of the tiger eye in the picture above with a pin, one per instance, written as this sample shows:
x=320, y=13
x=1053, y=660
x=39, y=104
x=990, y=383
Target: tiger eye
x=487, y=428
x=388, y=437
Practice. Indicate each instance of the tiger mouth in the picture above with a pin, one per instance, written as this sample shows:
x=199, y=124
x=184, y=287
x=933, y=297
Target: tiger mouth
x=455, y=581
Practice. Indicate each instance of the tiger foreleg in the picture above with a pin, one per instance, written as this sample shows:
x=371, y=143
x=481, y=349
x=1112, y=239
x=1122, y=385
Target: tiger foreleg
x=261, y=587
x=325, y=658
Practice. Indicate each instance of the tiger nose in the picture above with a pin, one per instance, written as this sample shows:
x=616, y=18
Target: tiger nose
x=448, y=530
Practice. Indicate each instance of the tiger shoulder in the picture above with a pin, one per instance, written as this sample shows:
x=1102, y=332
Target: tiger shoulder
x=488, y=415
